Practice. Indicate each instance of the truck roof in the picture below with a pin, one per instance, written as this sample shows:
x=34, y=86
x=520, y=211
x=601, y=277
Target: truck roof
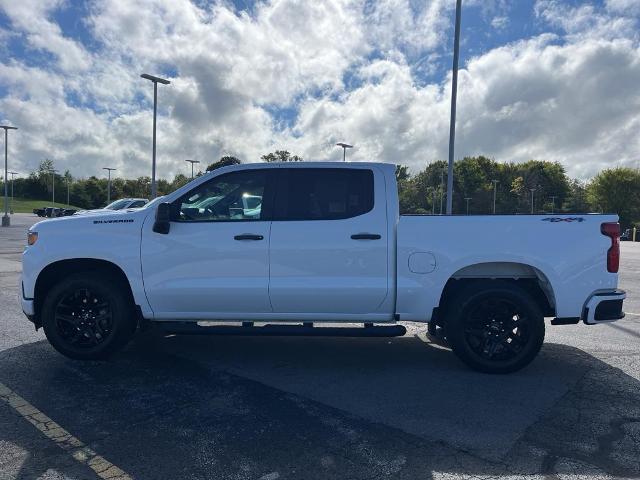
x=311, y=164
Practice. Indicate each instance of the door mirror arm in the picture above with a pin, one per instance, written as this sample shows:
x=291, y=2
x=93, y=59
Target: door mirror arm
x=162, y=222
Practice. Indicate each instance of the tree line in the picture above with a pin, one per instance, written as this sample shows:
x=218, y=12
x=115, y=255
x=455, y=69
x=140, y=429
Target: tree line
x=516, y=187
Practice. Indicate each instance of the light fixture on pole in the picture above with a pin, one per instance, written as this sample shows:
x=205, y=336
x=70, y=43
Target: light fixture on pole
x=109, y=183
x=155, y=81
x=454, y=96
x=192, y=162
x=12, y=175
x=6, y=221
x=532, y=190
x=344, y=149
x=495, y=187
x=468, y=199
x=53, y=187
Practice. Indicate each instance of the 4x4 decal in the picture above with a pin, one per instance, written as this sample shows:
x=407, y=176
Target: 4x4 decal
x=561, y=219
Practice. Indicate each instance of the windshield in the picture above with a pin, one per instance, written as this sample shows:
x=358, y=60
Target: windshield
x=118, y=204
x=155, y=201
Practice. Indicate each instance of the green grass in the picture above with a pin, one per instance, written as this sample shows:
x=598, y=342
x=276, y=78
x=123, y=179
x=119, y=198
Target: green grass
x=26, y=205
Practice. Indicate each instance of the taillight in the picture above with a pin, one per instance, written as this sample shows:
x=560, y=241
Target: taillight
x=612, y=230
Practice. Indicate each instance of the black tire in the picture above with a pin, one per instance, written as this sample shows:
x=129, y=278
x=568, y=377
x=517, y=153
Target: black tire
x=494, y=327
x=88, y=316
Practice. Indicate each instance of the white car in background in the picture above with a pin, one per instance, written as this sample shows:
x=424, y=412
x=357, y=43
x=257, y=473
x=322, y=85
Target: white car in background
x=121, y=204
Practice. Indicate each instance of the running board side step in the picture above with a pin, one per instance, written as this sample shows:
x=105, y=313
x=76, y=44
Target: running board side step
x=305, y=330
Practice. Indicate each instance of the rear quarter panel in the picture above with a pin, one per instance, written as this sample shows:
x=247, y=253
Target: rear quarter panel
x=569, y=250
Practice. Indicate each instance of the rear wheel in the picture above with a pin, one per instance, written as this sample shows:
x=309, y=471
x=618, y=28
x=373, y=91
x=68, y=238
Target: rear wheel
x=88, y=316
x=495, y=327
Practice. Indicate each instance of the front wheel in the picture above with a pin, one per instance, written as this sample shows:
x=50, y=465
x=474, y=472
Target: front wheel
x=495, y=327
x=88, y=316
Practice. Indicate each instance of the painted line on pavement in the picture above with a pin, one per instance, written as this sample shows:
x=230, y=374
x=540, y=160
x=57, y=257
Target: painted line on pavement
x=634, y=314
x=54, y=432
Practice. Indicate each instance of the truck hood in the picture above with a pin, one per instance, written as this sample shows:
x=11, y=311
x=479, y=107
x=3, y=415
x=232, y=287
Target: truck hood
x=120, y=219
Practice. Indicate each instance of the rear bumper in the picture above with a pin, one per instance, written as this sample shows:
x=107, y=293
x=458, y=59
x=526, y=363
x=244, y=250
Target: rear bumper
x=603, y=307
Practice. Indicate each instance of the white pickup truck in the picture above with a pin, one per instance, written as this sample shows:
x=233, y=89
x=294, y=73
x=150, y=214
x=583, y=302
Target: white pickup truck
x=300, y=246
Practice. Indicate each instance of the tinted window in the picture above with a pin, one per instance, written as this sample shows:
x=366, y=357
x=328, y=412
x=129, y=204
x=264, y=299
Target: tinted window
x=235, y=196
x=324, y=193
x=137, y=204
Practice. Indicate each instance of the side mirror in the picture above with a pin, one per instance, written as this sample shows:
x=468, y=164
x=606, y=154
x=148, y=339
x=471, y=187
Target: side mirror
x=163, y=218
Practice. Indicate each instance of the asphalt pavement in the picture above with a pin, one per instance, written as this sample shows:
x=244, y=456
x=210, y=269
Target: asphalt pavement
x=276, y=407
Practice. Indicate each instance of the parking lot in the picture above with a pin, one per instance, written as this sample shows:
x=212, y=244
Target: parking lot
x=346, y=408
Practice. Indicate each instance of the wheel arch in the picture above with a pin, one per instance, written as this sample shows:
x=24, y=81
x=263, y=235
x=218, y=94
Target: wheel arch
x=527, y=277
x=47, y=277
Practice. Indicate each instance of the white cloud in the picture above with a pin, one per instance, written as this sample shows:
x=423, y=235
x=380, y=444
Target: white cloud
x=32, y=17
x=570, y=97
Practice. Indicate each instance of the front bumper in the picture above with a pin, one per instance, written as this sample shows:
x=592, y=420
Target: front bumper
x=603, y=307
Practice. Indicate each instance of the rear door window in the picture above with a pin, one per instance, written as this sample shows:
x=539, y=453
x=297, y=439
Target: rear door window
x=323, y=193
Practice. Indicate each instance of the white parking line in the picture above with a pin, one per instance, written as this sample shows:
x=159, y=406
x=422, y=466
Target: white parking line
x=634, y=314
x=50, y=429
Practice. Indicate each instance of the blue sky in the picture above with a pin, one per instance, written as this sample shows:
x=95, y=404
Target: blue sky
x=540, y=79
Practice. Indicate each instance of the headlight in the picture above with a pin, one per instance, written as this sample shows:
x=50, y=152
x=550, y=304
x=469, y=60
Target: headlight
x=32, y=238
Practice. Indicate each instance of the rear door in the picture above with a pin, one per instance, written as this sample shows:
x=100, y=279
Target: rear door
x=329, y=245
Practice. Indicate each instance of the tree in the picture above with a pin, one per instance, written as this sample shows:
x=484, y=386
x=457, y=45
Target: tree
x=280, y=156
x=223, y=162
x=617, y=190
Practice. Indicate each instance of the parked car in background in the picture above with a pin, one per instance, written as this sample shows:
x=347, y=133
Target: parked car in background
x=121, y=204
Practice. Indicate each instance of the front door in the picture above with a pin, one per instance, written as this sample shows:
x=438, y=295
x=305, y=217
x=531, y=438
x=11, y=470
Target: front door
x=214, y=262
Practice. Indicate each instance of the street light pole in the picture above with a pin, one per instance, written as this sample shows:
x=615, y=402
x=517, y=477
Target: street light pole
x=53, y=187
x=532, y=190
x=6, y=221
x=442, y=190
x=12, y=175
x=433, y=203
x=467, y=199
x=454, y=96
x=109, y=184
x=344, y=149
x=68, y=204
x=553, y=203
x=495, y=186
x=192, y=162
x=155, y=81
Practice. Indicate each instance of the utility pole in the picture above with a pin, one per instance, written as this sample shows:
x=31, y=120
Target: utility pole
x=192, y=162
x=495, y=187
x=344, y=149
x=6, y=220
x=468, y=199
x=68, y=204
x=454, y=96
x=109, y=184
x=12, y=174
x=553, y=203
x=155, y=81
x=532, y=190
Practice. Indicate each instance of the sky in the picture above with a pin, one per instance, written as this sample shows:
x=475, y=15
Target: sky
x=539, y=79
